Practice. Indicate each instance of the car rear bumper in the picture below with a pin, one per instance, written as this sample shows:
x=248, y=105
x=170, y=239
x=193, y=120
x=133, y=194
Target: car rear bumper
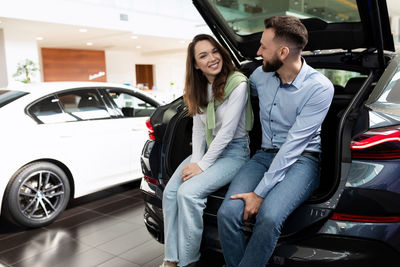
x=153, y=223
x=320, y=250
x=153, y=217
x=330, y=250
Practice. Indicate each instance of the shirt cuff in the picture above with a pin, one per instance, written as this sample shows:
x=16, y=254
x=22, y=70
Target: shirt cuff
x=203, y=165
x=263, y=188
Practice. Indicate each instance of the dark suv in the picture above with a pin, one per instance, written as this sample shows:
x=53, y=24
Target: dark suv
x=354, y=215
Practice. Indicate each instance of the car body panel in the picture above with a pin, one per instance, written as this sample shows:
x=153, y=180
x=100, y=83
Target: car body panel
x=98, y=153
x=363, y=230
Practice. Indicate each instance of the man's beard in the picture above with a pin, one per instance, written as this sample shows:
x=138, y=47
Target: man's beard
x=273, y=65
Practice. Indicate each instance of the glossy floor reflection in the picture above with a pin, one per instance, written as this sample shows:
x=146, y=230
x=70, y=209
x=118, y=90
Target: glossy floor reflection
x=103, y=229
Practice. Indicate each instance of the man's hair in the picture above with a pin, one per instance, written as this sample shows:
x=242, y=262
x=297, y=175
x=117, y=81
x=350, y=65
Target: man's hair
x=290, y=30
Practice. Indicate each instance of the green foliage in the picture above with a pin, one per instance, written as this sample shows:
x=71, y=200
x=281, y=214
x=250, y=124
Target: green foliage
x=25, y=70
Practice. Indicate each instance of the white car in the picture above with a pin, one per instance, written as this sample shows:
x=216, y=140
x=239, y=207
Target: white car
x=63, y=140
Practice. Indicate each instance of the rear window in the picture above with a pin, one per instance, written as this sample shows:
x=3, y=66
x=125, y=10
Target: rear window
x=8, y=96
x=389, y=99
x=247, y=16
x=340, y=77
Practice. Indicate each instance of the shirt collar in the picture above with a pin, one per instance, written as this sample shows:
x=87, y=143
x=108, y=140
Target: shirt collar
x=298, y=80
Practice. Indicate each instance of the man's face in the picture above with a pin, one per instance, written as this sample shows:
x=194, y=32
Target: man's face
x=269, y=51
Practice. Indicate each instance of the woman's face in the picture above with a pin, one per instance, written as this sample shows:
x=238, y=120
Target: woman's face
x=208, y=59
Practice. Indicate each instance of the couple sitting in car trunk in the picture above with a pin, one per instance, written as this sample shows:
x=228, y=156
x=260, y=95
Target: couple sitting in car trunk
x=294, y=99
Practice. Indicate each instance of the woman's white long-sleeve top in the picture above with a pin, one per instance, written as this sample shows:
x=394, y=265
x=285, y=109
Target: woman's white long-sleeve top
x=229, y=124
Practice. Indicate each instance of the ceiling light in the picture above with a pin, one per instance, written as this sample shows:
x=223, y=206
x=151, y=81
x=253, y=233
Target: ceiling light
x=82, y=30
x=39, y=38
x=138, y=46
x=89, y=43
x=134, y=37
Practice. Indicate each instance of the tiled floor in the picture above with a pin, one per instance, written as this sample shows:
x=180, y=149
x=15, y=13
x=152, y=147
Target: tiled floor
x=103, y=229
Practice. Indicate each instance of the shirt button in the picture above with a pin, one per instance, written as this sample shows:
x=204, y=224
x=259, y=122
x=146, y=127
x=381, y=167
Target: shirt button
x=272, y=120
x=274, y=104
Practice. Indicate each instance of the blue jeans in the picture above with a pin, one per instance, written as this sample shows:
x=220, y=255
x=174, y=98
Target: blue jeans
x=300, y=181
x=184, y=202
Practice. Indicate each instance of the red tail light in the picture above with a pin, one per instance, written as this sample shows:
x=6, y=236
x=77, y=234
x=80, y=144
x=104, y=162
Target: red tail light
x=151, y=130
x=363, y=218
x=150, y=180
x=383, y=143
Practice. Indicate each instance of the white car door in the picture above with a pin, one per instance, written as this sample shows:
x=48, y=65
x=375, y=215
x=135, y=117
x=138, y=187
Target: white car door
x=134, y=111
x=87, y=138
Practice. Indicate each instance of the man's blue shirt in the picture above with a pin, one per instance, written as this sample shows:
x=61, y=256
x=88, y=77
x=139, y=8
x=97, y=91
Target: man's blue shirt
x=291, y=116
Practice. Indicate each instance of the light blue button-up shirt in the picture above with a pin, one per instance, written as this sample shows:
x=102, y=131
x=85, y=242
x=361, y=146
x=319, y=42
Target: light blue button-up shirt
x=291, y=116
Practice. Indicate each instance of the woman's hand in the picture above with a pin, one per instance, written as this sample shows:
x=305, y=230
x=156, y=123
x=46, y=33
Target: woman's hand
x=190, y=170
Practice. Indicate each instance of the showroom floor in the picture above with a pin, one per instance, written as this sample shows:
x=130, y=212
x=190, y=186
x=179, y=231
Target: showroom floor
x=103, y=229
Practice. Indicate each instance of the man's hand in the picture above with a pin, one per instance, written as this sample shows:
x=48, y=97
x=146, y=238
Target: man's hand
x=252, y=203
x=190, y=170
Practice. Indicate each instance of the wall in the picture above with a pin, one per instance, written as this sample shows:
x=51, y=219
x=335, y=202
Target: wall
x=73, y=65
x=172, y=18
x=169, y=67
x=3, y=65
x=19, y=47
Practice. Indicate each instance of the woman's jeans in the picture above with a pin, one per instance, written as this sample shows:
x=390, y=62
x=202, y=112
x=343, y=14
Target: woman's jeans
x=300, y=181
x=184, y=202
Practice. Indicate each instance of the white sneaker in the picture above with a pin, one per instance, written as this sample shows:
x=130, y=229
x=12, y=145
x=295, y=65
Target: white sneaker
x=165, y=265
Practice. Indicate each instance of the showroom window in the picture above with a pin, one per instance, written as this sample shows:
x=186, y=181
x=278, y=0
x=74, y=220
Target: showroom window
x=84, y=105
x=340, y=77
x=130, y=105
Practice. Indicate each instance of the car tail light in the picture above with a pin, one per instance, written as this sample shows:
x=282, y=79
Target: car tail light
x=150, y=180
x=363, y=218
x=151, y=130
x=382, y=143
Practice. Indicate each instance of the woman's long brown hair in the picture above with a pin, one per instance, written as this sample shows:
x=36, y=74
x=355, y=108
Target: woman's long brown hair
x=195, y=92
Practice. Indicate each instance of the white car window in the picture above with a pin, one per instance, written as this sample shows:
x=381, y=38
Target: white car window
x=49, y=111
x=84, y=105
x=130, y=105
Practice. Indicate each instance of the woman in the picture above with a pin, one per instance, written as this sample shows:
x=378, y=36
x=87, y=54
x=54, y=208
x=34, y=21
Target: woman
x=217, y=98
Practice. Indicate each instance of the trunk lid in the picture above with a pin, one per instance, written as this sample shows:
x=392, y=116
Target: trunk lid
x=332, y=24
x=173, y=138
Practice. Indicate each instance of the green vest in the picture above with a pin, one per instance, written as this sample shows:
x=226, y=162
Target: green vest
x=231, y=83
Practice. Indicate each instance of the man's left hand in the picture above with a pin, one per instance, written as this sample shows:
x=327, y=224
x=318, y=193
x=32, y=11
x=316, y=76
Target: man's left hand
x=252, y=203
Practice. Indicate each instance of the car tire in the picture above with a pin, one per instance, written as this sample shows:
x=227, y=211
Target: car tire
x=36, y=195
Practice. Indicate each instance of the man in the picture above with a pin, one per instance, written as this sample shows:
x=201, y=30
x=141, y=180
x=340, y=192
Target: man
x=294, y=99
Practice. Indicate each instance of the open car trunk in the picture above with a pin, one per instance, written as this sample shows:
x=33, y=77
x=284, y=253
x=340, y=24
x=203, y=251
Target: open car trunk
x=357, y=46
x=337, y=130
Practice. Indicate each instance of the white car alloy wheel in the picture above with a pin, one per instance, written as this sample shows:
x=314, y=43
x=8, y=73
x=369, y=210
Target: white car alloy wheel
x=37, y=194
